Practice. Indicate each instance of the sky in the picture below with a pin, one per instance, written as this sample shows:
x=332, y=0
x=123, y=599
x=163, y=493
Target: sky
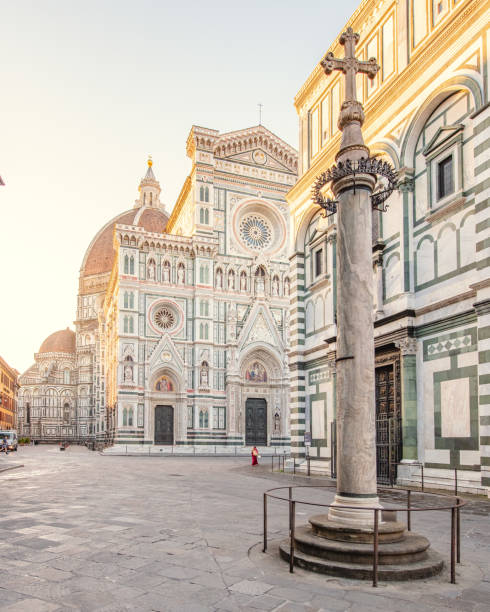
x=90, y=89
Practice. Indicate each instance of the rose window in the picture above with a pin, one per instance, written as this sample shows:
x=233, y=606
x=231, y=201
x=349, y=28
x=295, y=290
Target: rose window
x=256, y=232
x=164, y=318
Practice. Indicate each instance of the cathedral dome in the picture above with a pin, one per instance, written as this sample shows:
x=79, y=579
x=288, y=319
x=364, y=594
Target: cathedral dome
x=62, y=341
x=148, y=214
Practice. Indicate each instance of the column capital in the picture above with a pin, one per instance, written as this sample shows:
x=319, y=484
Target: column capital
x=407, y=346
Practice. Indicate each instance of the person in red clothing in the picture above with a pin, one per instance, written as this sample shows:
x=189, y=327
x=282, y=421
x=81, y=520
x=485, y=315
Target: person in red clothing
x=255, y=456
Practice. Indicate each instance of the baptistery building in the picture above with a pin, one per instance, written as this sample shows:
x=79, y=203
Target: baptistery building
x=427, y=115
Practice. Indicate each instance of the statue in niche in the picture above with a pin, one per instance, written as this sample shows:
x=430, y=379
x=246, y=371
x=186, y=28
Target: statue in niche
x=128, y=374
x=277, y=421
x=219, y=279
x=275, y=286
x=243, y=281
x=231, y=280
x=151, y=270
x=287, y=287
x=204, y=375
x=166, y=272
x=181, y=274
x=260, y=281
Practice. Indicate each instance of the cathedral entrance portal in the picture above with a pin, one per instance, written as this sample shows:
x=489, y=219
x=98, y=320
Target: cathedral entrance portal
x=256, y=421
x=164, y=425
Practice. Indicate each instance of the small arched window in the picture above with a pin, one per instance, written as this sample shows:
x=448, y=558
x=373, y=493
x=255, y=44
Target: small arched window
x=125, y=325
x=126, y=300
x=126, y=264
x=201, y=193
x=206, y=194
x=131, y=300
x=131, y=265
x=203, y=419
x=206, y=216
x=131, y=325
x=130, y=417
x=125, y=417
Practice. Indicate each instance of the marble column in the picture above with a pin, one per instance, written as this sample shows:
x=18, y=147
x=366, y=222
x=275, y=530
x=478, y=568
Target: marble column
x=356, y=427
x=408, y=350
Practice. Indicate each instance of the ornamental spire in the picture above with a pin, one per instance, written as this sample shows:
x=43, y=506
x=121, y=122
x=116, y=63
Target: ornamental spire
x=149, y=188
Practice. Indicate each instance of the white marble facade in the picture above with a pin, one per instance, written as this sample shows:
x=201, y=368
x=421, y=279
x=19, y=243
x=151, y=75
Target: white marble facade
x=196, y=319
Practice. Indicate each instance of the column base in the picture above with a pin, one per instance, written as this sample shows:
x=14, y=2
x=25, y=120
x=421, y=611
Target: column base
x=358, y=514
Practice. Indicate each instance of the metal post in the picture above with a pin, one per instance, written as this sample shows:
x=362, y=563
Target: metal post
x=458, y=533
x=422, y=466
x=292, y=517
x=455, y=481
x=409, y=516
x=272, y=463
x=294, y=465
x=453, y=545
x=265, y=522
x=375, y=549
x=308, y=463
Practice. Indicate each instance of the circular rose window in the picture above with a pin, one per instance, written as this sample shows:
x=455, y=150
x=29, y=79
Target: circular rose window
x=256, y=232
x=164, y=318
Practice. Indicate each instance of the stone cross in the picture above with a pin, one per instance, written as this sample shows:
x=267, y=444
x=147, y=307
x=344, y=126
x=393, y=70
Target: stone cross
x=350, y=66
x=351, y=115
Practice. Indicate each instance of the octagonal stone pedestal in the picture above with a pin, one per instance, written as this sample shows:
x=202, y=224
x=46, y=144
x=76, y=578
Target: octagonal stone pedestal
x=331, y=548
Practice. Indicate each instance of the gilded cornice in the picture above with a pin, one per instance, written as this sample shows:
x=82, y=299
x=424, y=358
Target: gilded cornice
x=184, y=192
x=440, y=41
x=440, y=38
x=358, y=19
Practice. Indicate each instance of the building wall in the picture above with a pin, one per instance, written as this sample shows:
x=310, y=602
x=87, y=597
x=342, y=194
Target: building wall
x=428, y=104
x=8, y=393
x=54, y=404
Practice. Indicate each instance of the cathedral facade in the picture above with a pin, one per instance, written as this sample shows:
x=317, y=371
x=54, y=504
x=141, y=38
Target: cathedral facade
x=182, y=323
x=427, y=114
x=196, y=319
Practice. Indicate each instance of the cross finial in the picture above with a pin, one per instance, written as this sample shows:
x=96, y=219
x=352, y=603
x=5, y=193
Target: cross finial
x=351, y=115
x=260, y=113
x=350, y=66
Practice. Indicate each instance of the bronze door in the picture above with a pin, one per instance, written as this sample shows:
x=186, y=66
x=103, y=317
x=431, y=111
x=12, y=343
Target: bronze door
x=388, y=424
x=256, y=421
x=164, y=425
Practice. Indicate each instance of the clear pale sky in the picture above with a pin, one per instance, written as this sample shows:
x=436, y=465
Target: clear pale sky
x=89, y=89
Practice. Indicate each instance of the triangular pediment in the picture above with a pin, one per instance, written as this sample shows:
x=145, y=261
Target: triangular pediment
x=260, y=327
x=257, y=146
x=165, y=353
x=442, y=135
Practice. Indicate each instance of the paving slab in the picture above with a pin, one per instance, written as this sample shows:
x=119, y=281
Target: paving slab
x=81, y=531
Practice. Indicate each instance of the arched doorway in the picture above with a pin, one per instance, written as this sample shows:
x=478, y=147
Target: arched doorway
x=164, y=425
x=256, y=421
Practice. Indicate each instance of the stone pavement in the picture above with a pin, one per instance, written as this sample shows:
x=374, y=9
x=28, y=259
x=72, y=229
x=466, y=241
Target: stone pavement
x=81, y=531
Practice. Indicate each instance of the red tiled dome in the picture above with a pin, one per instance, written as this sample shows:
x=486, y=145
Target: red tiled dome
x=62, y=341
x=99, y=257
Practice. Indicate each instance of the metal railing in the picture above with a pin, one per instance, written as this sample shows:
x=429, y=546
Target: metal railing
x=456, y=481
x=281, y=463
x=455, y=507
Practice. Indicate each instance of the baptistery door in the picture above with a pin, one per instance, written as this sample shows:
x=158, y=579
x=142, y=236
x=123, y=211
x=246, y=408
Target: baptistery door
x=164, y=425
x=256, y=421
